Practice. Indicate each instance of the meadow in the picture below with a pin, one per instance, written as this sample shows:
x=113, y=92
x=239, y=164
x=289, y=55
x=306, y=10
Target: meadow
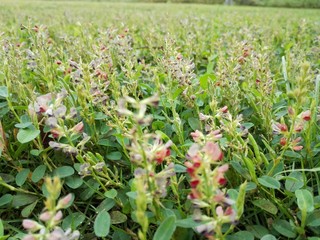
x=158, y=121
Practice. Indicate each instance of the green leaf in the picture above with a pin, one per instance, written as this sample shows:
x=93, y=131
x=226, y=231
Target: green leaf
x=111, y=193
x=38, y=173
x=7, y=178
x=5, y=199
x=1, y=229
x=294, y=181
x=107, y=143
x=187, y=223
x=304, y=200
x=4, y=92
x=118, y=217
x=266, y=205
x=242, y=235
x=92, y=187
x=102, y=224
x=64, y=171
x=22, y=199
x=284, y=228
x=269, y=182
x=106, y=205
x=23, y=125
x=166, y=229
x=74, y=182
x=313, y=220
x=268, y=237
x=28, y=209
x=194, y=123
x=73, y=220
x=257, y=230
x=114, y=156
x=27, y=135
x=180, y=168
x=22, y=176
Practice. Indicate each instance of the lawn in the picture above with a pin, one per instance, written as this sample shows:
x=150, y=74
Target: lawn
x=158, y=121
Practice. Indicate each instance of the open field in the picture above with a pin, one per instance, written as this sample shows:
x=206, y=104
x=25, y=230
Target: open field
x=158, y=121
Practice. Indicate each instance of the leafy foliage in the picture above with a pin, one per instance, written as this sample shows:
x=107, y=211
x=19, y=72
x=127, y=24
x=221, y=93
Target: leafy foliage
x=199, y=123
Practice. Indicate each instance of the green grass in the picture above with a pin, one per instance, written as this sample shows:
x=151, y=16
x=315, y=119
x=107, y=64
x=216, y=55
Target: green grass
x=140, y=108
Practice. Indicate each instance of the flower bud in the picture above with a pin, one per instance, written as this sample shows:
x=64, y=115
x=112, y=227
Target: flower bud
x=78, y=128
x=58, y=216
x=45, y=216
x=31, y=225
x=65, y=201
x=306, y=115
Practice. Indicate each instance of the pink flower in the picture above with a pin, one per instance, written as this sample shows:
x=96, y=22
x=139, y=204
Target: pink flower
x=197, y=135
x=63, y=202
x=30, y=225
x=213, y=151
x=283, y=141
x=224, y=109
x=194, y=183
x=297, y=148
x=78, y=128
x=162, y=154
x=306, y=115
x=45, y=216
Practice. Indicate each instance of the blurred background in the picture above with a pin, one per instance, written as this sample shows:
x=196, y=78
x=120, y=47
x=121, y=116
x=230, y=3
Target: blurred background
x=266, y=3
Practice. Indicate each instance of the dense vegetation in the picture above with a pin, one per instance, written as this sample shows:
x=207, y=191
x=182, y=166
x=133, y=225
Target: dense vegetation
x=158, y=121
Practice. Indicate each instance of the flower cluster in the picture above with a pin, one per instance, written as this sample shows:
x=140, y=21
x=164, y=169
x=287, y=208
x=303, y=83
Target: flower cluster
x=51, y=216
x=289, y=138
x=212, y=206
x=50, y=110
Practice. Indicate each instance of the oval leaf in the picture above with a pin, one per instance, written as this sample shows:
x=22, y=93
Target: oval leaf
x=117, y=217
x=73, y=220
x=304, y=200
x=27, y=135
x=284, y=228
x=28, y=209
x=269, y=182
x=102, y=224
x=266, y=205
x=38, y=173
x=268, y=237
x=294, y=181
x=22, y=176
x=64, y=171
x=166, y=229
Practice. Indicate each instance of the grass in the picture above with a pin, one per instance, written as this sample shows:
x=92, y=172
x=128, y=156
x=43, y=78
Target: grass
x=165, y=121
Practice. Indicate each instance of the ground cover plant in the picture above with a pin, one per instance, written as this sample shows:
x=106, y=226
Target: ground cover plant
x=141, y=121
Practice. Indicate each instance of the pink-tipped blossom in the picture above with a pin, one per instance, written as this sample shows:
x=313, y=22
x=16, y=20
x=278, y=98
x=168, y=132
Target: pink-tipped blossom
x=65, y=201
x=30, y=225
x=197, y=136
x=213, y=151
x=45, y=216
x=306, y=116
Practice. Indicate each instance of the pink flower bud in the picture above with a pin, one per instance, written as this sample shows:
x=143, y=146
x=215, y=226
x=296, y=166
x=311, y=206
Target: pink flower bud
x=63, y=202
x=224, y=109
x=306, y=115
x=58, y=216
x=219, y=211
x=29, y=237
x=223, y=168
x=30, y=225
x=45, y=216
x=297, y=148
x=78, y=128
x=197, y=135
